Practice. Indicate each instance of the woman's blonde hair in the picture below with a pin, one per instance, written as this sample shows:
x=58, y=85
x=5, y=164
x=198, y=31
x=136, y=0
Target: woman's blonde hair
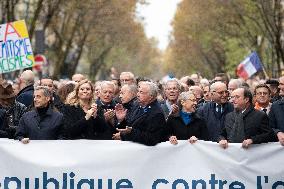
x=73, y=99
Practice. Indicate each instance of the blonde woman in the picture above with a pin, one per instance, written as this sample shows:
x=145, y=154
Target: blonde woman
x=80, y=113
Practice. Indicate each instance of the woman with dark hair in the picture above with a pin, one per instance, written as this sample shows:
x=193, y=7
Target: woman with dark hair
x=80, y=113
x=65, y=90
x=186, y=124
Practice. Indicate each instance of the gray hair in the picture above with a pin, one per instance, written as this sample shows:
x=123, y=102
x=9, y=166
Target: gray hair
x=237, y=82
x=213, y=86
x=46, y=91
x=132, y=88
x=109, y=83
x=153, y=88
x=185, y=95
x=173, y=80
x=128, y=73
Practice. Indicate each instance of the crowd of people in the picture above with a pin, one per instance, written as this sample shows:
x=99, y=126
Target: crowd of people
x=138, y=109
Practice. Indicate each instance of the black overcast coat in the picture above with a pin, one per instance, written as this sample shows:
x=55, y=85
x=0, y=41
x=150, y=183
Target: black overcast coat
x=49, y=128
x=77, y=127
x=147, y=125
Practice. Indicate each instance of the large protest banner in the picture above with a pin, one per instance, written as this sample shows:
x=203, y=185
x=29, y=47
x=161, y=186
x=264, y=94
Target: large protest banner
x=116, y=165
x=16, y=51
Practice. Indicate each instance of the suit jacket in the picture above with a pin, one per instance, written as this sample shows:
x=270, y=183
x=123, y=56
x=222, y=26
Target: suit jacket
x=276, y=116
x=147, y=125
x=165, y=108
x=255, y=126
x=214, y=121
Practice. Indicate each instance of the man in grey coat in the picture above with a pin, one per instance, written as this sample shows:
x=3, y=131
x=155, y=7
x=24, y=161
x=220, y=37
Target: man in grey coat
x=245, y=124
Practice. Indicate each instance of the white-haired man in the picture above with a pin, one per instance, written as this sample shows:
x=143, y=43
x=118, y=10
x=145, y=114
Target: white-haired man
x=148, y=122
x=127, y=78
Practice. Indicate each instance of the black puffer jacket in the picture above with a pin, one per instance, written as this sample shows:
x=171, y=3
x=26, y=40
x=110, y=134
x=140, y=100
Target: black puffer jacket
x=9, y=119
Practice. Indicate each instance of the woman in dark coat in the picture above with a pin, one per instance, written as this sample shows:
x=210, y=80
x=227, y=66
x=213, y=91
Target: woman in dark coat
x=80, y=113
x=186, y=125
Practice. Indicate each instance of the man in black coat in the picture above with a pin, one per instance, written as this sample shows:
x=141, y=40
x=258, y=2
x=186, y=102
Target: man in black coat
x=276, y=114
x=245, y=125
x=171, y=91
x=25, y=96
x=10, y=111
x=42, y=123
x=147, y=122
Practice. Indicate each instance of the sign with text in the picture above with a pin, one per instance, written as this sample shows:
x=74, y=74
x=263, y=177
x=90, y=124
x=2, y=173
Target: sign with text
x=15, y=47
x=89, y=164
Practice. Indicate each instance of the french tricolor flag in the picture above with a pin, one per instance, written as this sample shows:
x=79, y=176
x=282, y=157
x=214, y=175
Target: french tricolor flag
x=249, y=66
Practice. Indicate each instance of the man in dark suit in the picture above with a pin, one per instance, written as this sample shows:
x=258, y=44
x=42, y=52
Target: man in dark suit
x=276, y=114
x=42, y=123
x=147, y=121
x=26, y=83
x=172, y=91
x=214, y=112
x=245, y=124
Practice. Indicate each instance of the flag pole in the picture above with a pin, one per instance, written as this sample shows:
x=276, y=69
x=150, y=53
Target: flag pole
x=265, y=73
x=263, y=68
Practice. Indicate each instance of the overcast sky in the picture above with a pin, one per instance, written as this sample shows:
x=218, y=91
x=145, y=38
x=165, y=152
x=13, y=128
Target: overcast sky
x=158, y=16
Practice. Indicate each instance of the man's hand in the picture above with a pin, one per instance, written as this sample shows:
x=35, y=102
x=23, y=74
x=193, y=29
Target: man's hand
x=246, y=143
x=120, y=112
x=175, y=109
x=223, y=143
x=192, y=140
x=173, y=140
x=116, y=136
x=109, y=114
x=125, y=131
x=280, y=136
x=25, y=140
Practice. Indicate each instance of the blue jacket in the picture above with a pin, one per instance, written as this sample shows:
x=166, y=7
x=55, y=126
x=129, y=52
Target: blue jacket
x=25, y=96
x=32, y=127
x=276, y=116
x=215, y=124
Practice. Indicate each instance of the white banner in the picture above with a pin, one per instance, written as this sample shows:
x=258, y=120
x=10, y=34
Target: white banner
x=86, y=164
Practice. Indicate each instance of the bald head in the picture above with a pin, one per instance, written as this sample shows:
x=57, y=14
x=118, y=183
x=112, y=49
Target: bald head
x=197, y=91
x=219, y=93
x=78, y=77
x=27, y=78
x=217, y=85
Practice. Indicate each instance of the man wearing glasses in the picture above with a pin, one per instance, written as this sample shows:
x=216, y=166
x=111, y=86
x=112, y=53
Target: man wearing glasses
x=214, y=112
x=262, y=98
x=127, y=78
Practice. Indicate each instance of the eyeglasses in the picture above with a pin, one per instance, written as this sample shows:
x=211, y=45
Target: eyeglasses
x=221, y=92
x=125, y=80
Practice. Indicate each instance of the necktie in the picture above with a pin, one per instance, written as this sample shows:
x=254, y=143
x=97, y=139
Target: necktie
x=219, y=110
x=264, y=109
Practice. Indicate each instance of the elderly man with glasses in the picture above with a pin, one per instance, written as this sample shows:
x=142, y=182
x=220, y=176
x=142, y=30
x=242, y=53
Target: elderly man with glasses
x=214, y=112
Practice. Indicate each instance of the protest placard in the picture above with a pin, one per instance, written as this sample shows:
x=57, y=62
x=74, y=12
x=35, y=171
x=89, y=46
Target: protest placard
x=15, y=47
